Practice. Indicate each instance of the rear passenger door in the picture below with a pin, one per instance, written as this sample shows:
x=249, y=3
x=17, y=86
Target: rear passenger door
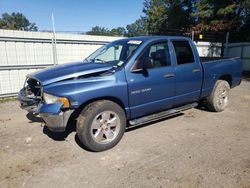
x=188, y=73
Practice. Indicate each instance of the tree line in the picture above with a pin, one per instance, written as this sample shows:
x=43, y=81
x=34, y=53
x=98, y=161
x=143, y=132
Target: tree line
x=159, y=17
x=16, y=21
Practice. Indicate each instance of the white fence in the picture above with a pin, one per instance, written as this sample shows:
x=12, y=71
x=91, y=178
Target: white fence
x=209, y=49
x=241, y=50
x=23, y=52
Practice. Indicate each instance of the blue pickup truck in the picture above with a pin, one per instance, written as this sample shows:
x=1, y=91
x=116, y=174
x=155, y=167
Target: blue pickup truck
x=127, y=82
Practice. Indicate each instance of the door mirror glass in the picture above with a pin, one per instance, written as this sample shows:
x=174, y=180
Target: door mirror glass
x=142, y=64
x=145, y=63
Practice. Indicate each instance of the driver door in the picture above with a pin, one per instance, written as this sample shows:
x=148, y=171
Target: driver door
x=151, y=89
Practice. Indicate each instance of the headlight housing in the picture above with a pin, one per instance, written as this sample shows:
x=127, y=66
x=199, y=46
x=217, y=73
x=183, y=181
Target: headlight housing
x=50, y=99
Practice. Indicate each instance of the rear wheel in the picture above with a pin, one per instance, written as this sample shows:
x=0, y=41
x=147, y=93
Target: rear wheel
x=101, y=125
x=219, y=98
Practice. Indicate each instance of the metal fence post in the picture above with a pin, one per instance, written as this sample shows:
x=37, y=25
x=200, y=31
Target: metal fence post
x=192, y=35
x=242, y=49
x=54, y=41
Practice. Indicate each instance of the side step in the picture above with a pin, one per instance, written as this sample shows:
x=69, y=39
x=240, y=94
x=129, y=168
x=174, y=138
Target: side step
x=161, y=115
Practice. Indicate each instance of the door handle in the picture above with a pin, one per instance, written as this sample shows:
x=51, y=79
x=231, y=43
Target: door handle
x=169, y=75
x=196, y=70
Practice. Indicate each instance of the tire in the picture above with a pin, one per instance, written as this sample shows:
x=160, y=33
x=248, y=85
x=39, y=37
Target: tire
x=218, y=100
x=101, y=125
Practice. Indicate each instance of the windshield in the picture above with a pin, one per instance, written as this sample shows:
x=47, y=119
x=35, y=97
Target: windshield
x=115, y=53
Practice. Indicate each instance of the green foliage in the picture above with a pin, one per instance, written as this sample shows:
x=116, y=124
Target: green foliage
x=244, y=31
x=16, y=21
x=159, y=17
x=119, y=31
x=7, y=99
x=203, y=10
x=179, y=15
x=155, y=15
x=137, y=28
x=162, y=15
x=97, y=30
x=214, y=15
x=245, y=11
x=229, y=9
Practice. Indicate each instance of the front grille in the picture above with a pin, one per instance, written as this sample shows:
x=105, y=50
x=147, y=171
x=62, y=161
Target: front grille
x=33, y=88
x=31, y=95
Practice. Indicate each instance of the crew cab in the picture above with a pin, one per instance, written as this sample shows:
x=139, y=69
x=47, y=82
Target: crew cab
x=130, y=81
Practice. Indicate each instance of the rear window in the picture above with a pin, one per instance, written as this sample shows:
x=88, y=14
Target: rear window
x=183, y=51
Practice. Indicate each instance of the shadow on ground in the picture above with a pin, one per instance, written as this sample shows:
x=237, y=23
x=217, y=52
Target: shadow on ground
x=246, y=76
x=132, y=128
x=71, y=126
x=202, y=106
x=57, y=136
x=129, y=129
x=77, y=140
x=61, y=136
x=34, y=118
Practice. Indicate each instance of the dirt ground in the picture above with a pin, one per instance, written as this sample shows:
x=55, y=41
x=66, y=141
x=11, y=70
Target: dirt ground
x=195, y=149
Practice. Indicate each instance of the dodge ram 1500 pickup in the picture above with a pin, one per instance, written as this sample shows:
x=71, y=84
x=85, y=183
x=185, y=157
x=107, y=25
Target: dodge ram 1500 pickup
x=131, y=81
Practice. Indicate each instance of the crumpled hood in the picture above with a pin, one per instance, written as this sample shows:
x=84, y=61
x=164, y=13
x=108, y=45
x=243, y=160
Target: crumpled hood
x=68, y=71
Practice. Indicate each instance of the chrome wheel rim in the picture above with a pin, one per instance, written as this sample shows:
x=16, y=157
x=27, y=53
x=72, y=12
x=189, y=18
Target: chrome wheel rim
x=105, y=127
x=222, y=99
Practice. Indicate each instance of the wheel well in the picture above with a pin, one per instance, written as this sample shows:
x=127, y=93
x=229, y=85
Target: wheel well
x=113, y=99
x=227, y=78
x=71, y=125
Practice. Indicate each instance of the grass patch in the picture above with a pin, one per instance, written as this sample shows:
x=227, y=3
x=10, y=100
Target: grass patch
x=9, y=99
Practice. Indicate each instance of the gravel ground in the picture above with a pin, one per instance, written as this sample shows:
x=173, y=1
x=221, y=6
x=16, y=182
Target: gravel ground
x=195, y=149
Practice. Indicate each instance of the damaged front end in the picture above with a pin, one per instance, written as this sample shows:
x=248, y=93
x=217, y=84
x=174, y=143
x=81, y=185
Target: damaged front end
x=44, y=91
x=31, y=95
x=55, y=118
x=54, y=114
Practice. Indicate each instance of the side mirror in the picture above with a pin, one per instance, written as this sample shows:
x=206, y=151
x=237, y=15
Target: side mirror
x=142, y=64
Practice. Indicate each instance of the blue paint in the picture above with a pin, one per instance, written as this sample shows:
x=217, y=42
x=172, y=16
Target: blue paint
x=139, y=93
x=53, y=109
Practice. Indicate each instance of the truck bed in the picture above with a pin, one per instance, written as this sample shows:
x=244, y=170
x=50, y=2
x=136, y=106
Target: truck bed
x=213, y=67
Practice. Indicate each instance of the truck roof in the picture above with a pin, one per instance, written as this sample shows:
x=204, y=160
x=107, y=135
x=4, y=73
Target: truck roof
x=152, y=38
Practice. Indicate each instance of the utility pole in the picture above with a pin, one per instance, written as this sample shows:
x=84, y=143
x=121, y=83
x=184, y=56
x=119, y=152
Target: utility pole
x=54, y=41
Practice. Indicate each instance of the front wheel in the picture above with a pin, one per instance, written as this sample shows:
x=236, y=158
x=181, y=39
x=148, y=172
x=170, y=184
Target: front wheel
x=218, y=100
x=101, y=125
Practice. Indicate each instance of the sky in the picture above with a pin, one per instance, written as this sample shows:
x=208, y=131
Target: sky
x=76, y=15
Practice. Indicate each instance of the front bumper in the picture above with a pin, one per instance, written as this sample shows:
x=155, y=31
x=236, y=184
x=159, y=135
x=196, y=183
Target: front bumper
x=56, y=119
x=30, y=98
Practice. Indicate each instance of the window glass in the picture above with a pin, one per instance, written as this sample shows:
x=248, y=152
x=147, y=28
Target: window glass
x=131, y=50
x=111, y=54
x=115, y=53
x=183, y=51
x=156, y=55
